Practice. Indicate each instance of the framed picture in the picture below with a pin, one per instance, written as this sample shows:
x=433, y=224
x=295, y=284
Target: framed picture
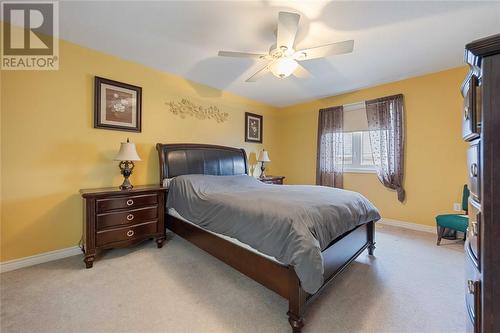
x=117, y=105
x=253, y=127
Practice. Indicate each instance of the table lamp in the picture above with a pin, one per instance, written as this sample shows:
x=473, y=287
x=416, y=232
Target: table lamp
x=126, y=156
x=263, y=158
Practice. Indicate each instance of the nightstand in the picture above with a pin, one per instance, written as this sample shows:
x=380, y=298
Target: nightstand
x=278, y=180
x=119, y=218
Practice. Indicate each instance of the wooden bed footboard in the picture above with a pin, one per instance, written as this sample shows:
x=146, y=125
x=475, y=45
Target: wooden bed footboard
x=280, y=278
x=336, y=257
x=188, y=158
x=266, y=272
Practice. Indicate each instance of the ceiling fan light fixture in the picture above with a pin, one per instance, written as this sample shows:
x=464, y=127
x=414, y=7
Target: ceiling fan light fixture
x=283, y=67
x=283, y=58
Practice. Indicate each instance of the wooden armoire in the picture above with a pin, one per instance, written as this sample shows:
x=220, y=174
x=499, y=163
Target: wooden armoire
x=481, y=129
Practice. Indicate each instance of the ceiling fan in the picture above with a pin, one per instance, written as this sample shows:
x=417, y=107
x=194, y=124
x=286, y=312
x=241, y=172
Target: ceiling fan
x=283, y=58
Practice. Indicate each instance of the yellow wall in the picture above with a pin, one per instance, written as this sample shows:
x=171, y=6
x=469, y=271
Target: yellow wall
x=50, y=149
x=435, y=154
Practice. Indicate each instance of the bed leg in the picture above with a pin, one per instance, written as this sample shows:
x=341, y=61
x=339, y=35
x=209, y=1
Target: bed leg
x=296, y=323
x=296, y=302
x=371, y=237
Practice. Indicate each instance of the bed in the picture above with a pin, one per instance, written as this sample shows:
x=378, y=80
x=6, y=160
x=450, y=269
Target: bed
x=180, y=161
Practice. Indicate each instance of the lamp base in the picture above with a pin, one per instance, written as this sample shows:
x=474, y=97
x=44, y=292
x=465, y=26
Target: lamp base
x=126, y=168
x=126, y=185
x=262, y=171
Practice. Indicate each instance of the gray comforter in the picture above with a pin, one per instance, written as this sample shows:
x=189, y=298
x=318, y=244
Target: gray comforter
x=292, y=223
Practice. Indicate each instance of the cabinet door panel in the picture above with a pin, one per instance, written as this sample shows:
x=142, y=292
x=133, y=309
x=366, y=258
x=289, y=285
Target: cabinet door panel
x=474, y=170
x=472, y=296
x=470, y=128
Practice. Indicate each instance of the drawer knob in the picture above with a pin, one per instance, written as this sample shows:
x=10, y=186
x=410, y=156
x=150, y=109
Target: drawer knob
x=466, y=113
x=130, y=217
x=473, y=170
x=130, y=202
x=471, y=286
x=130, y=233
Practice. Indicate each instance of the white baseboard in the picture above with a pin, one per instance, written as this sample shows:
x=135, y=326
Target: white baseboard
x=11, y=265
x=408, y=225
x=75, y=250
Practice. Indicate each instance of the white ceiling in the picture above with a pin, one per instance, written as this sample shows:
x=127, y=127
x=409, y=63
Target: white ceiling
x=393, y=40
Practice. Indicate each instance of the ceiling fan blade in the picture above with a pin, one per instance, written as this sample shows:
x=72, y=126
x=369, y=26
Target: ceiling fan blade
x=302, y=73
x=325, y=50
x=241, y=54
x=288, y=24
x=259, y=74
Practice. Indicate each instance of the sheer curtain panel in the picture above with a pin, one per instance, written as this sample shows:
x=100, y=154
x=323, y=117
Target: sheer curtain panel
x=386, y=124
x=330, y=154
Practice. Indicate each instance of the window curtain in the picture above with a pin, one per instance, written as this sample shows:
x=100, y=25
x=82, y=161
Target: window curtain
x=330, y=154
x=386, y=124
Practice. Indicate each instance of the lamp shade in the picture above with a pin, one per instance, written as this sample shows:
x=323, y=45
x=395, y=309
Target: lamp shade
x=127, y=152
x=264, y=156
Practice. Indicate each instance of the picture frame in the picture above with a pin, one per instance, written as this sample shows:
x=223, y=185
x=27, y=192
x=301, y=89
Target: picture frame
x=254, y=129
x=117, y=105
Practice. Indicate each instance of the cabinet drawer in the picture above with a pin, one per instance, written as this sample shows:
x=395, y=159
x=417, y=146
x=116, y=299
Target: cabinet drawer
x=472, y=295
x=474, y=232
x=470, y=128
x=474, y=169
x=129, y=201
x=130, y=216
x=126, y=233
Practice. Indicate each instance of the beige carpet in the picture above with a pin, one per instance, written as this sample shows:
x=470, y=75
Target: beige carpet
x=411, y=286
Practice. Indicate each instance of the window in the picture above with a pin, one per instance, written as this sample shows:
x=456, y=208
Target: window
x=357, y=152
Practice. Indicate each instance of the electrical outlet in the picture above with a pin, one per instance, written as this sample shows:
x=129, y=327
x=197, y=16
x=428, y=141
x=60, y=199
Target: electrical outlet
x=457, y=207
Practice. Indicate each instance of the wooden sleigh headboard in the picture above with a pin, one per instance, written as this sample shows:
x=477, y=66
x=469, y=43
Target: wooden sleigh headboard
x=190, y=158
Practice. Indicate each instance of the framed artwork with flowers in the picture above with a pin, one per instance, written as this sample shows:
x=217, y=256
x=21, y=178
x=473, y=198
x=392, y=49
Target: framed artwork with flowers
x=253, y=127
x=117, y=105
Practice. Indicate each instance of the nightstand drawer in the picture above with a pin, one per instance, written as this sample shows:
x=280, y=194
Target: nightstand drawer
x=126, y=233
x=130, y=216
x=120, y=218
x=130, y=201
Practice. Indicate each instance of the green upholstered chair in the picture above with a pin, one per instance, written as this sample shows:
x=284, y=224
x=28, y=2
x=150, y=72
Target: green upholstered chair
x=457, y=222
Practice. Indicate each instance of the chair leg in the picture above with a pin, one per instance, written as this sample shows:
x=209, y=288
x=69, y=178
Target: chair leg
x=440, y=232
